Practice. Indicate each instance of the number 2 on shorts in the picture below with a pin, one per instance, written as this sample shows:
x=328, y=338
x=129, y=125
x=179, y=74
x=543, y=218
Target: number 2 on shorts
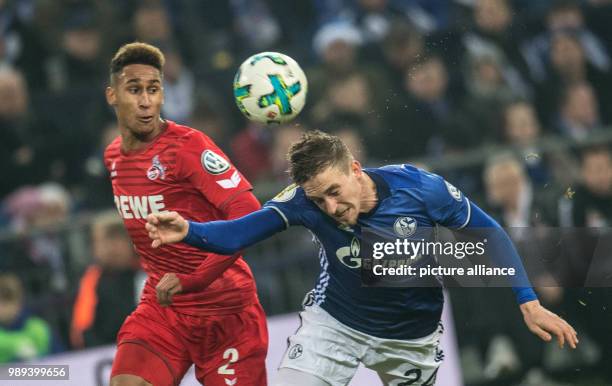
x=232, y=355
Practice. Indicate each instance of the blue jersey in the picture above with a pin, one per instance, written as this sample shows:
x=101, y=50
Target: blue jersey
x=408, y=198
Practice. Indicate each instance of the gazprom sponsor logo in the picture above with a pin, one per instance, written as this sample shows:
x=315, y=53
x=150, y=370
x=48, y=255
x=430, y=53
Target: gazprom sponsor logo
x=349, y=255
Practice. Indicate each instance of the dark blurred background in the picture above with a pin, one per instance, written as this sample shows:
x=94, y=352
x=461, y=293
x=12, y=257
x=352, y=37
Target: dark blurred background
x=508, y=99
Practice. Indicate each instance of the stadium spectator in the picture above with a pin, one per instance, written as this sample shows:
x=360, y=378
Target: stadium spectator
x=567, y=65
x=353, y=140
x=94, y=192
x=212, y=115
x=42, y=209
x=578, y=111
x=597, y=15
x=522, y=130
x=256, y=27
x=564, y=16
x=336, y=45
x=401, y=47
x=207, y=38
x=282, y=139
x=591, y=205
x=179, y=87
x=22, y=43
x=509, y=190
x=494, y=26
x=79, y=62
x=514, y=200
x=340, y=74
x=432, y=111
x=430, y=16
x=251, y=150
x=297, y=30
x=17, y=144
x=373, y=18
x=488, y=89
x=98, y=312
x=152, y=23
x=361, y=105
x=23, y=336
x=521, y=125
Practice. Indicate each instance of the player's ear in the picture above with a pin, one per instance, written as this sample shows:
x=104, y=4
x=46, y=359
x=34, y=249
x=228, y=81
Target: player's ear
x=356, y=167
x=111, y=97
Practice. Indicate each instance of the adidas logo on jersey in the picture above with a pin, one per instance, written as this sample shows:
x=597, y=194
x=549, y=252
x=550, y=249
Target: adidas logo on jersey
x=113, y=172
x=231, y=182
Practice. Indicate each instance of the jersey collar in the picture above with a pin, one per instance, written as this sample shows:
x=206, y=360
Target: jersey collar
x=382, y=191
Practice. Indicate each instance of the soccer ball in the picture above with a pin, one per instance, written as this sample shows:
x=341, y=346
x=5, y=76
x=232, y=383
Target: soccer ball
x=270, y=87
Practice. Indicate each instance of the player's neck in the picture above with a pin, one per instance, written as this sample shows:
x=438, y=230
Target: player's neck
x=131, y=143
x=369, y=195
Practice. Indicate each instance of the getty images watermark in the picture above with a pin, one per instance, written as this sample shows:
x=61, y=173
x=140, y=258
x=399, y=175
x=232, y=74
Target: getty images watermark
x=397, y=258
x=484, y=257
x=429, y=258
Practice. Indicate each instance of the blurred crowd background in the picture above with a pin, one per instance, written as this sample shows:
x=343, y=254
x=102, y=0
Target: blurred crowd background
x=510, y=100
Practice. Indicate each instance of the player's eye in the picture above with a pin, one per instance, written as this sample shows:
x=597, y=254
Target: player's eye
x=153, y=90
x=334, y=193
x=133, y=90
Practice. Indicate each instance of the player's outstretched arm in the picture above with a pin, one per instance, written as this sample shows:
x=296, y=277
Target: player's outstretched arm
x=546, y=324
x=539, y=320
x=222, y=237
x=166, y=228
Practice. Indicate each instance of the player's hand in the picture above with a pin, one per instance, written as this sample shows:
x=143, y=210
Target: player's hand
x=166, y=228
x=168, y=286
x=545, y=324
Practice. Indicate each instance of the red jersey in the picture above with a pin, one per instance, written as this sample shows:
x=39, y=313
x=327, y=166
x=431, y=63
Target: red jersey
x=182, y=170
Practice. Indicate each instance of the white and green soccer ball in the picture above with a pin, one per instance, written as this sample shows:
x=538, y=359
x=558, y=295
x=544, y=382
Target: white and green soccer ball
x=270, y=88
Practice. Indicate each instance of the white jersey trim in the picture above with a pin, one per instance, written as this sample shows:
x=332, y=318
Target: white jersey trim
x=469, y=214
x=280, y=212
x=323, y=280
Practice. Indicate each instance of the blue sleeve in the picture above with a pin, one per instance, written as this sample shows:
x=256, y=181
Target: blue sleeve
x=503, y=252
x=294, y=207
x=445, y=204
x=229, y=237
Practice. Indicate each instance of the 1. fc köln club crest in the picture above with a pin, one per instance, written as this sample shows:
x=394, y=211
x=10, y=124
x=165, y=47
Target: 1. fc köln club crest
x=157, y=170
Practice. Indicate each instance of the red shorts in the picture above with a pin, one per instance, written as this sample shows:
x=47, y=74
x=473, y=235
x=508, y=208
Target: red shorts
x=159, y=345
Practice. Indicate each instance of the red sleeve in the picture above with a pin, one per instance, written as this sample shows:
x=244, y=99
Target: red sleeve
x=208, y=169
x=214, y=265
x=111, y=149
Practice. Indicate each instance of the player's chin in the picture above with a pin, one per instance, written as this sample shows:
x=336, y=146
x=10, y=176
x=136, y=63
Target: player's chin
x=349, y=219
x=143, y=130
x=352, y=221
